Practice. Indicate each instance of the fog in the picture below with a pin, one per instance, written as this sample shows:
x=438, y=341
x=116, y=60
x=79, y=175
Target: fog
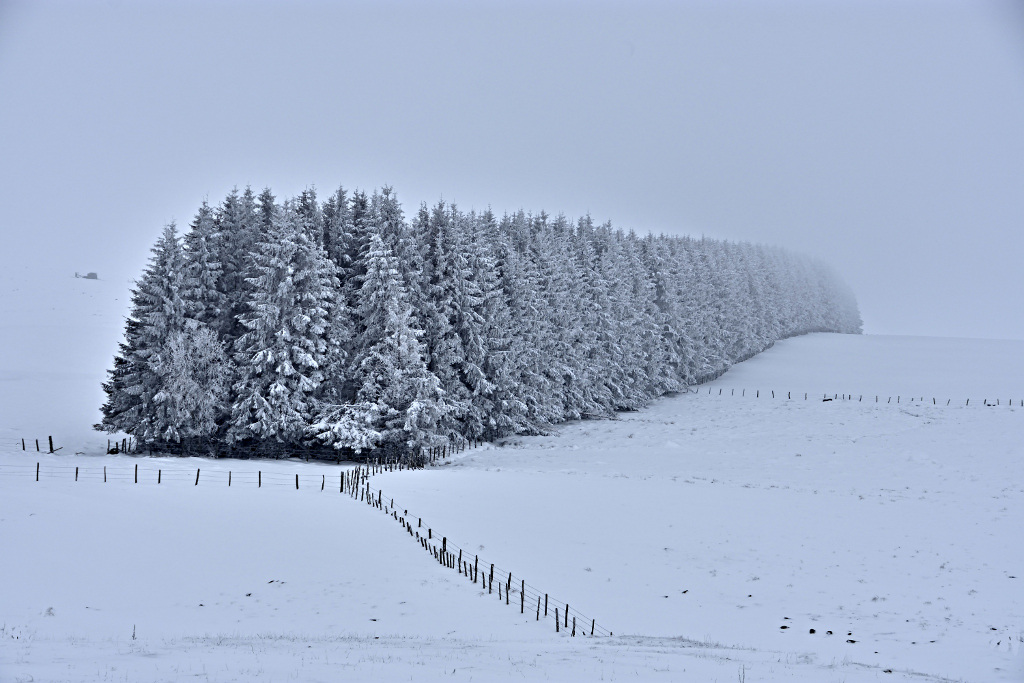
x=884, y=137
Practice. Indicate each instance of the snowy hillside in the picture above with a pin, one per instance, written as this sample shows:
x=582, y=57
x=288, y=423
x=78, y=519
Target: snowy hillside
x=694, y=530
x=59, y=333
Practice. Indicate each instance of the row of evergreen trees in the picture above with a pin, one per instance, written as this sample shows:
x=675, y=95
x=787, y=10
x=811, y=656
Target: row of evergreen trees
x=272, y=326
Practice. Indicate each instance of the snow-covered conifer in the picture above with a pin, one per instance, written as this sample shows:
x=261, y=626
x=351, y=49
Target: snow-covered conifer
x=194, y=374
x=158, y=312
x=290, y=290
x=402, y=399
x=346, y=324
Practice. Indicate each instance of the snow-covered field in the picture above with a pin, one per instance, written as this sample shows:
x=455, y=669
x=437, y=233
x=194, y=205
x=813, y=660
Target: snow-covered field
x=694, y=530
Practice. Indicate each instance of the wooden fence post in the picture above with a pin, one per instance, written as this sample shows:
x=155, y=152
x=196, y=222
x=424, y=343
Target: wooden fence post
x=296, y=482
x=23, y=444
x=37, y=471
x=259, y=479
x=51, y=443
x=538, y=608
x=37, y=445
x=567, y=615
x=592, y=622
x=522, y=598
x=229, y=477
x=574, y=618
x=76, y=474
x=323, y=482
x=545, y=604
x=197, y=477
x=104, y=474
x=136, y=473
x=158, y=473
x=556, y=620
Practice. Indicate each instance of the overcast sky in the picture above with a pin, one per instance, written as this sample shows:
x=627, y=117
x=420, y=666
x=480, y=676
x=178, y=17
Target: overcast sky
x=884, y=137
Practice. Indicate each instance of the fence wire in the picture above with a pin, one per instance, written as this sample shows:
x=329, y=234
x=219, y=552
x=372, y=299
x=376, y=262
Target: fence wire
x=354, y=482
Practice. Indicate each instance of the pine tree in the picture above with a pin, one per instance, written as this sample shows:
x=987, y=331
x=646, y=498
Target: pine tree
x=235, y=226
x=275, y=324
x=158, y=312
x=203, y=271
x=400, y=398
x=194, y=377
x=337, y=227
x=291, y=291
x=503, y=410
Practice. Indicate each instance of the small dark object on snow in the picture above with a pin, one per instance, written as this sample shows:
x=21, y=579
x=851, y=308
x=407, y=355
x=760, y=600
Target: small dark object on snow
x=825, y=399
x=811, y=631
x=851, y=641
x=828, y=633
x=887, y=671
x=783, y=626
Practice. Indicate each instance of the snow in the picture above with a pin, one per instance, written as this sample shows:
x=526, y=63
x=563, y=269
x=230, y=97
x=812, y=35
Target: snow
x=894, y=523
x=691, y=530
x=934, y=367
x=59, y=335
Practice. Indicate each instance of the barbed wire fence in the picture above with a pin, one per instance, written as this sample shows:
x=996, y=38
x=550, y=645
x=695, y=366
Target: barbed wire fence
x=435, y=454
x=355, y=482
x=916, y=399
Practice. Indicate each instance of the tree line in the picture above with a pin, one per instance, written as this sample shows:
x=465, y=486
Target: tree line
x=271, y=326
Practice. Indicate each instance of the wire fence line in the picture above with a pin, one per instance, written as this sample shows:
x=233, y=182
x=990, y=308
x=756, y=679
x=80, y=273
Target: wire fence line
x=354, y=482
x=916, y=399
x=508, y=588
x=437, y=453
